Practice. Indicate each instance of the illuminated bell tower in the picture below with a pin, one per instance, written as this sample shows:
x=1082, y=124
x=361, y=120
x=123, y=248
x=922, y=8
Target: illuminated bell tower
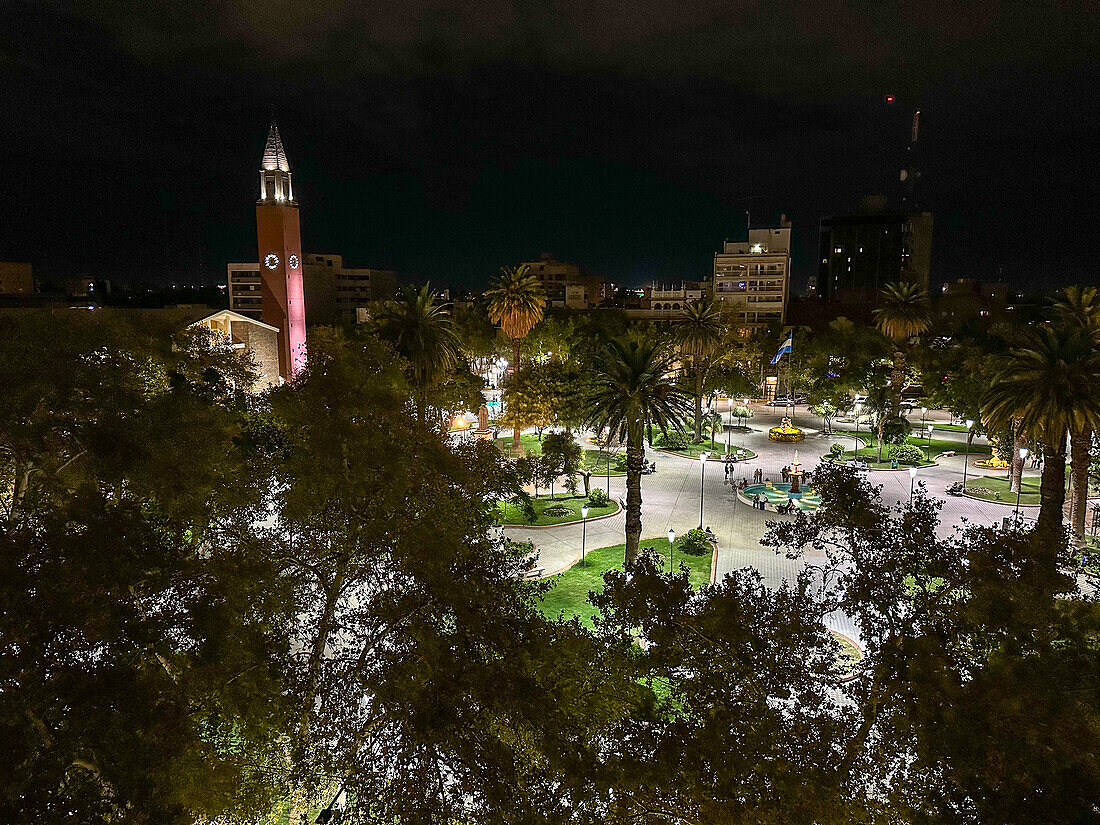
x=280, y=246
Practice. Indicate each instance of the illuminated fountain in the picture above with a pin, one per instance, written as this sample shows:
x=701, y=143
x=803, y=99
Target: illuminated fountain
x=795, y=475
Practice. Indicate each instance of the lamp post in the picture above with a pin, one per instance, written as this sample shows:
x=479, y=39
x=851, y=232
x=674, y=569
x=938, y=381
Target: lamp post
x=702, y=472
x=855, y=433
x=584, y=530
x=730, y=430
x=928, y=449
x=1019, y=489
x=912, y=481
x=966, y=456
x=671, y=540
x=923, y=413
x=744, y=425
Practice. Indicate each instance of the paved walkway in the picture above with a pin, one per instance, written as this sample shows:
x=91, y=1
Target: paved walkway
x=670, y=499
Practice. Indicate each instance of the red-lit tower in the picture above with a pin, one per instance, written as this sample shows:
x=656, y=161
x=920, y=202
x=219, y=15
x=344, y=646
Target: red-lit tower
x=280, y=245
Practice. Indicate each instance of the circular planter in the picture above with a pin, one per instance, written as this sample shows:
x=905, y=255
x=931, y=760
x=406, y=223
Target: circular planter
x=786, y=436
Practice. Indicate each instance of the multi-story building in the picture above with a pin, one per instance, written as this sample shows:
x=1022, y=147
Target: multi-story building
x=567, y=285
x=862, y=253
x=752, y=278
x=16, y=278
x=967, y=300
x=334, y=293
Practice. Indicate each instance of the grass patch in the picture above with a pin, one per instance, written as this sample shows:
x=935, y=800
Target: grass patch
x=527, y=442
x=512, y=514
x=569, y=595
x=996, y=488
x=938, y=446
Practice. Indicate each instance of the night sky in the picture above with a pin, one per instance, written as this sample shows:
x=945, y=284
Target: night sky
x=447, y=139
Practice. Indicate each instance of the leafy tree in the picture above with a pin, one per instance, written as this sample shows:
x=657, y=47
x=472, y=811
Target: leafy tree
x=902, y=315
x=422, y=332
x=742, y=414
x=516, y=302
x=698, y=332
x=563, y=455
x=739, y=687
x=971, y=648
x=631, y=392
x=834, y=363
x=142, y=657
x=826, y=411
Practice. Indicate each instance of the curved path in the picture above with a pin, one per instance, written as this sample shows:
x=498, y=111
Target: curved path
x=670, y=499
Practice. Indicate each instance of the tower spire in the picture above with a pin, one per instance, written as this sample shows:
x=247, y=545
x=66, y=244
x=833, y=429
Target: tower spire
x=275, y=181
x=274, y=155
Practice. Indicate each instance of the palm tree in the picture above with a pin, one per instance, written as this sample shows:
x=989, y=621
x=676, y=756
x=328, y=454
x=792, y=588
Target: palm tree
x=902, y=315
x=516, y=301
x=632, y=391
x=1079, y=308
x=698, y=333
x=1048, y=387
x=423, y=333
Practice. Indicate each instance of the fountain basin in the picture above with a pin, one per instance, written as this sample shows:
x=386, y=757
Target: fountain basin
x=777, y=494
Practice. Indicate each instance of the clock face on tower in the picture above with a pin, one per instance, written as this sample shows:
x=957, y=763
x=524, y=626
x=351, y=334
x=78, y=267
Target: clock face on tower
x=271, y=261
x=293, y=261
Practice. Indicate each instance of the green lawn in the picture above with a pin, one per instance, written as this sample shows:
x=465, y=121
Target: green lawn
x=871, y=454
x=998, y=487
x=715, y=448
x=569, y=594
x=939, y=445
x=529, y=442
x=512, y=514
x=595, y=461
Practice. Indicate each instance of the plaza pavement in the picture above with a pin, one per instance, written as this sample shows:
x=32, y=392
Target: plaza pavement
x=670, y=499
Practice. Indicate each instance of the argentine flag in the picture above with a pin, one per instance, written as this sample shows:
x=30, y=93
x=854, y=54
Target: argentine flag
x=784, y=348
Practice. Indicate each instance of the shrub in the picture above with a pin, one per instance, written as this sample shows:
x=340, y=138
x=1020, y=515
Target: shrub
x=597, y=498
x=837, y=450
x=620, y=462
x=557, y=511
x=905, y=453
x=695, y=543
x=673, y=440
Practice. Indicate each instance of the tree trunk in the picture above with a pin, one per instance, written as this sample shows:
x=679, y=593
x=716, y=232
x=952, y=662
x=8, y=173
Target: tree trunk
x=635, y=455
x=1052, y=494
x=698, y=405
x=1079, y=443
x=1016, y=472
x=897, y=380
x=516, y=446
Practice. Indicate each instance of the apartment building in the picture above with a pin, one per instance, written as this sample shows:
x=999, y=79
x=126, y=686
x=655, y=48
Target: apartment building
x=752, y=278
x=334, y=293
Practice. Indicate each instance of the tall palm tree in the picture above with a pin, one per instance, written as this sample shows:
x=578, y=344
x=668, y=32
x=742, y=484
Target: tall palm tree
x=1079, y=308
x=1048, y=387
x=516, y=301
x=698, y=333
x=423, y=333
x=902, y=315
x=632, y=391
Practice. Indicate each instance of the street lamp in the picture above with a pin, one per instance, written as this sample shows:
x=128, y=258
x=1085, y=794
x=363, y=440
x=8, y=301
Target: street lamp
x=1019, y=488
x=584, y=530
x=671, y=540
x=966, y=457
x=928, y=449
x=702, y=472
x=855, y=433
x=923, y=413
x=912, y=481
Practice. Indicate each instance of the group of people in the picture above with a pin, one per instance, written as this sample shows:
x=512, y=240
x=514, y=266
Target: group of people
x=760, y=502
